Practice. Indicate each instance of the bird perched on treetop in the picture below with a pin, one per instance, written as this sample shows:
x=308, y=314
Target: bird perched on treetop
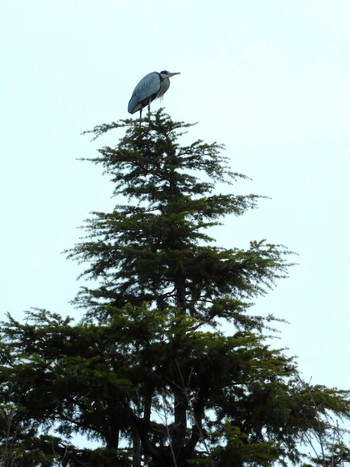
x=151, y=87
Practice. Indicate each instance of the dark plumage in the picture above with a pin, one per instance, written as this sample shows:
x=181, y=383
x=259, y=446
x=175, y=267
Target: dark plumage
x=151, y=87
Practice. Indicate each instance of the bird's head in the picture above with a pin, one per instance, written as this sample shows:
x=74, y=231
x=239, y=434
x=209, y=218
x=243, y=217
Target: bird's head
x=168, y=74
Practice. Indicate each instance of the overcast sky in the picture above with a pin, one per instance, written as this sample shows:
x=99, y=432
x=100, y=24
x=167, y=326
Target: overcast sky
x=270, y=79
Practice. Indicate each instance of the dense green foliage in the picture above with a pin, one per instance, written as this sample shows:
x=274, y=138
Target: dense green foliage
x=149, y=372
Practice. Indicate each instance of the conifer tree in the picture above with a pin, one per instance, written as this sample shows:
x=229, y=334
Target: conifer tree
x=169, y=366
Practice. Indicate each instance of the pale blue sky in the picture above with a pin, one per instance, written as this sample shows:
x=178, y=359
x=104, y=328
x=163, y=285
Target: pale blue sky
x=270, y=79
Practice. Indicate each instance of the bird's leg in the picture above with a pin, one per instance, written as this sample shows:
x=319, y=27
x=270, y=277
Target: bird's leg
x=140, y=116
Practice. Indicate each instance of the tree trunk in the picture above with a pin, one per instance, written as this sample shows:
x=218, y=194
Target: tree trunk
x=136, y=459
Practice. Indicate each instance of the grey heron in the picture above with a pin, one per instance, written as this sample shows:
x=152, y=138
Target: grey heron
x=151, y=87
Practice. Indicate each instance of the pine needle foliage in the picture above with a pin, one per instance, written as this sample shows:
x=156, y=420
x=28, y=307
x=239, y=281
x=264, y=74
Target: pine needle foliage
x=149, y=373
x=157, y=248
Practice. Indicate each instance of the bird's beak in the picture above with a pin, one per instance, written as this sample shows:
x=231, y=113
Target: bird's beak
x=173, y=74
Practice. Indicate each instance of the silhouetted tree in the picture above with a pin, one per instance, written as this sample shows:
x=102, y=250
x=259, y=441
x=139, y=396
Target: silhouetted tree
x=149, y=372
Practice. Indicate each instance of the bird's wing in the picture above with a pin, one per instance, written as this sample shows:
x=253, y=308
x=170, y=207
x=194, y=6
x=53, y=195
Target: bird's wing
x=148, y=86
